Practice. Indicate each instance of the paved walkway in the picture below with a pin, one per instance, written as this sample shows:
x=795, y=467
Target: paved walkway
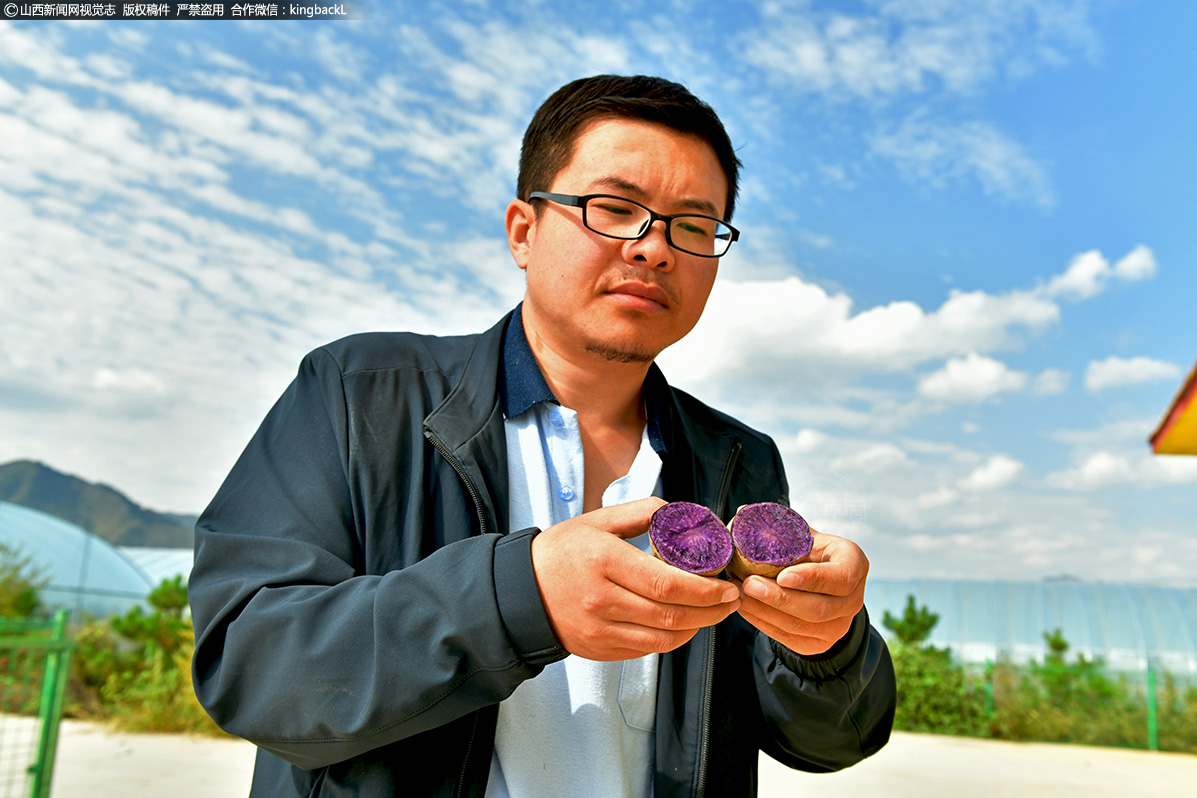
x=934, y=766
x=95, y=764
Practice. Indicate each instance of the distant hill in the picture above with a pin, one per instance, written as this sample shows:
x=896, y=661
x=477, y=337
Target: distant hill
x=97, y=508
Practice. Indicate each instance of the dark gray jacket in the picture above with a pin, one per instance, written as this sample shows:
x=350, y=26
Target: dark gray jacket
x=361, y=607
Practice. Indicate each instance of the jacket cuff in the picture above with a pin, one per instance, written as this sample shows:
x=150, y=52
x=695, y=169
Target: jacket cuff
x=833, y=662
x=520, y=606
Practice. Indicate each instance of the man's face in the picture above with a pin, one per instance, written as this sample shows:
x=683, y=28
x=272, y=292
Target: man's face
x=618, y=300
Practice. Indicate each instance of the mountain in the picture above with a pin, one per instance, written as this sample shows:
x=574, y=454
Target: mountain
x=97, y=508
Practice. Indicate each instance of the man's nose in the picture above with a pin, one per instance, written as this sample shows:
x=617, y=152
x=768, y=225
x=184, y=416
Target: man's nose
x=653, y=248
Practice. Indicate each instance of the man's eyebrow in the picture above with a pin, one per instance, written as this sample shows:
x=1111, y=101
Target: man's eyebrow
x=619, y=184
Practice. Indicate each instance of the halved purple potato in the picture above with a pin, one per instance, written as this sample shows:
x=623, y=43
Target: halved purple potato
x=768, y=537
x=690, y=537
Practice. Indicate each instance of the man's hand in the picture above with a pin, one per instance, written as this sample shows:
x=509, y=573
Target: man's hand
x=609, y=601
x=810, y=605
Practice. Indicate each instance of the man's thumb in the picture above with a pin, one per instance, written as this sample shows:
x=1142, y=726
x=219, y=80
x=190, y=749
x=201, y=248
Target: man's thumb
x=626, y=520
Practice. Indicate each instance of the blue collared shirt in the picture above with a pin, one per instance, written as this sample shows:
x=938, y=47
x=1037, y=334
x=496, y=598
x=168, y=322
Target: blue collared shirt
x=579, y=721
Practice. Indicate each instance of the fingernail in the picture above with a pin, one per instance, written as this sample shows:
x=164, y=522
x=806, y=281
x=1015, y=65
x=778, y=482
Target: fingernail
x=755, y=588
x=790, y=581
x=731, y=594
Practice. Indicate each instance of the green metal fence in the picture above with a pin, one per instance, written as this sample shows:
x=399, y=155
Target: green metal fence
x=34, y=664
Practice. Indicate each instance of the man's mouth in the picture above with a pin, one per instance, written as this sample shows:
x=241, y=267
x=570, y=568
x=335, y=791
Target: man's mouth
x=645, y=291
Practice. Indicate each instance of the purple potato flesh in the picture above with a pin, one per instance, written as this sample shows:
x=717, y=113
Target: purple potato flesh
x=690, y=537
x=768, y=537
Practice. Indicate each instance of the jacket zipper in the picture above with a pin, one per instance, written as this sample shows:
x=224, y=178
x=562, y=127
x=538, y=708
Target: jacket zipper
x=704, y=740
x=483, y=528
x=709, y=682
x=465, y=762
x=725, y=481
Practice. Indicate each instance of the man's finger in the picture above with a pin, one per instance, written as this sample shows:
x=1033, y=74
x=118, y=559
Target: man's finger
x=805, y=644
x=655, y=615
x=626, y=520
x=660, y=582
x=838, y=570
x=808, y=607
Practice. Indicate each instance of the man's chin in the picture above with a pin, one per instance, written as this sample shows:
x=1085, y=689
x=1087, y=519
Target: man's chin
x=618, y=353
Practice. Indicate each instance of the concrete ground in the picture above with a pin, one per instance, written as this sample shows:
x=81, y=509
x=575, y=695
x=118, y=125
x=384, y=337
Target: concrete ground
x=93, y=763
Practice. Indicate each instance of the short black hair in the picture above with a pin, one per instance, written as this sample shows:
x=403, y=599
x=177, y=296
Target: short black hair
x=550, y=137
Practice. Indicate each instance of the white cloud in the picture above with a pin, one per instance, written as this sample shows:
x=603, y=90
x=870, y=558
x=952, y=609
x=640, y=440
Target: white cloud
x=1123, y=433
x=1114, y=372
x=904, y=48
x=1138, y=264
x=1084, y=278
x=999, y=471
x=897, y=53
x=940, y=153
x=972, y=378
x=941, y=497
x=825, y=341
x=1090, y=272
x=808, y=440
x=1099, y=470
x=873, y=458
x=787, y=338
x=1050, y=382
x=1105, y=469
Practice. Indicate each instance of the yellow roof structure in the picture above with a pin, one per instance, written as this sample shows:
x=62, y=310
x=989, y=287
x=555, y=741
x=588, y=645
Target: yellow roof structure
x=1177, y=433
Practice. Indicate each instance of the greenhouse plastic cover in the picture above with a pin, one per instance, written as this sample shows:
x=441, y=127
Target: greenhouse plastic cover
x=84, y=572
x=1127, y=626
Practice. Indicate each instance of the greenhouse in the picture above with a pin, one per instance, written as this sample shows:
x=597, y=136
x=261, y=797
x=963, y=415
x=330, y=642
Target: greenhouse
x=83, y=572
x=1129, y=627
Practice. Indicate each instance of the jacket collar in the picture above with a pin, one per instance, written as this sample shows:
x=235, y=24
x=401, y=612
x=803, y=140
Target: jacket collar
x=469, y=425
x=469, y=422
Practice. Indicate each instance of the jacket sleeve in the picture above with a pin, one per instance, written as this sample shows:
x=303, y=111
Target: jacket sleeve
x=304, y=653
x=831, y=711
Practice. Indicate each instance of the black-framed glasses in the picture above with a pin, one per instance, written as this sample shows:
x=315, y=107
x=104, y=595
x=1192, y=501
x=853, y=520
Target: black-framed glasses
x=617, y=217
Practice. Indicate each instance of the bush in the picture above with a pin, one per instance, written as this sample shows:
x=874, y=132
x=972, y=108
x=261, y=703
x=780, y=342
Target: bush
x=1177, y=717
x=134, y=671
x=1058, y=701
x=934, y=693
x=21, y=584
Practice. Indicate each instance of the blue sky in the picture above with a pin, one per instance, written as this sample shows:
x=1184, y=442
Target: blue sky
x=962, y=301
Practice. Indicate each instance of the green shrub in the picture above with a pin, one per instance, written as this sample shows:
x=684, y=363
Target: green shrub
x=134, y=671
x=1177, y=717
x=915, y=625
x=1058, y=701
x=21, y=583
x=934, y=693
x=20, y=668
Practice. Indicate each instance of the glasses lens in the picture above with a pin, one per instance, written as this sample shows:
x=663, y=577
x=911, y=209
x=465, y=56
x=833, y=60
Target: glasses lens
x=616, y=217
x=700, y=235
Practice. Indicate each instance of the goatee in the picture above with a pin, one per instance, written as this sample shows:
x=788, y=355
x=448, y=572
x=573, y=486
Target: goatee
x=619, y=355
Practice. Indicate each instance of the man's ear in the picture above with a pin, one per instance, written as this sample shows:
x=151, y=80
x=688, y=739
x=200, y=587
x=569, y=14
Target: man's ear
x=521, y=231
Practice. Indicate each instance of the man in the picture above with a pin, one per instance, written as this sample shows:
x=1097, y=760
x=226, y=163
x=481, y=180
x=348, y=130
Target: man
x=426, y=574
